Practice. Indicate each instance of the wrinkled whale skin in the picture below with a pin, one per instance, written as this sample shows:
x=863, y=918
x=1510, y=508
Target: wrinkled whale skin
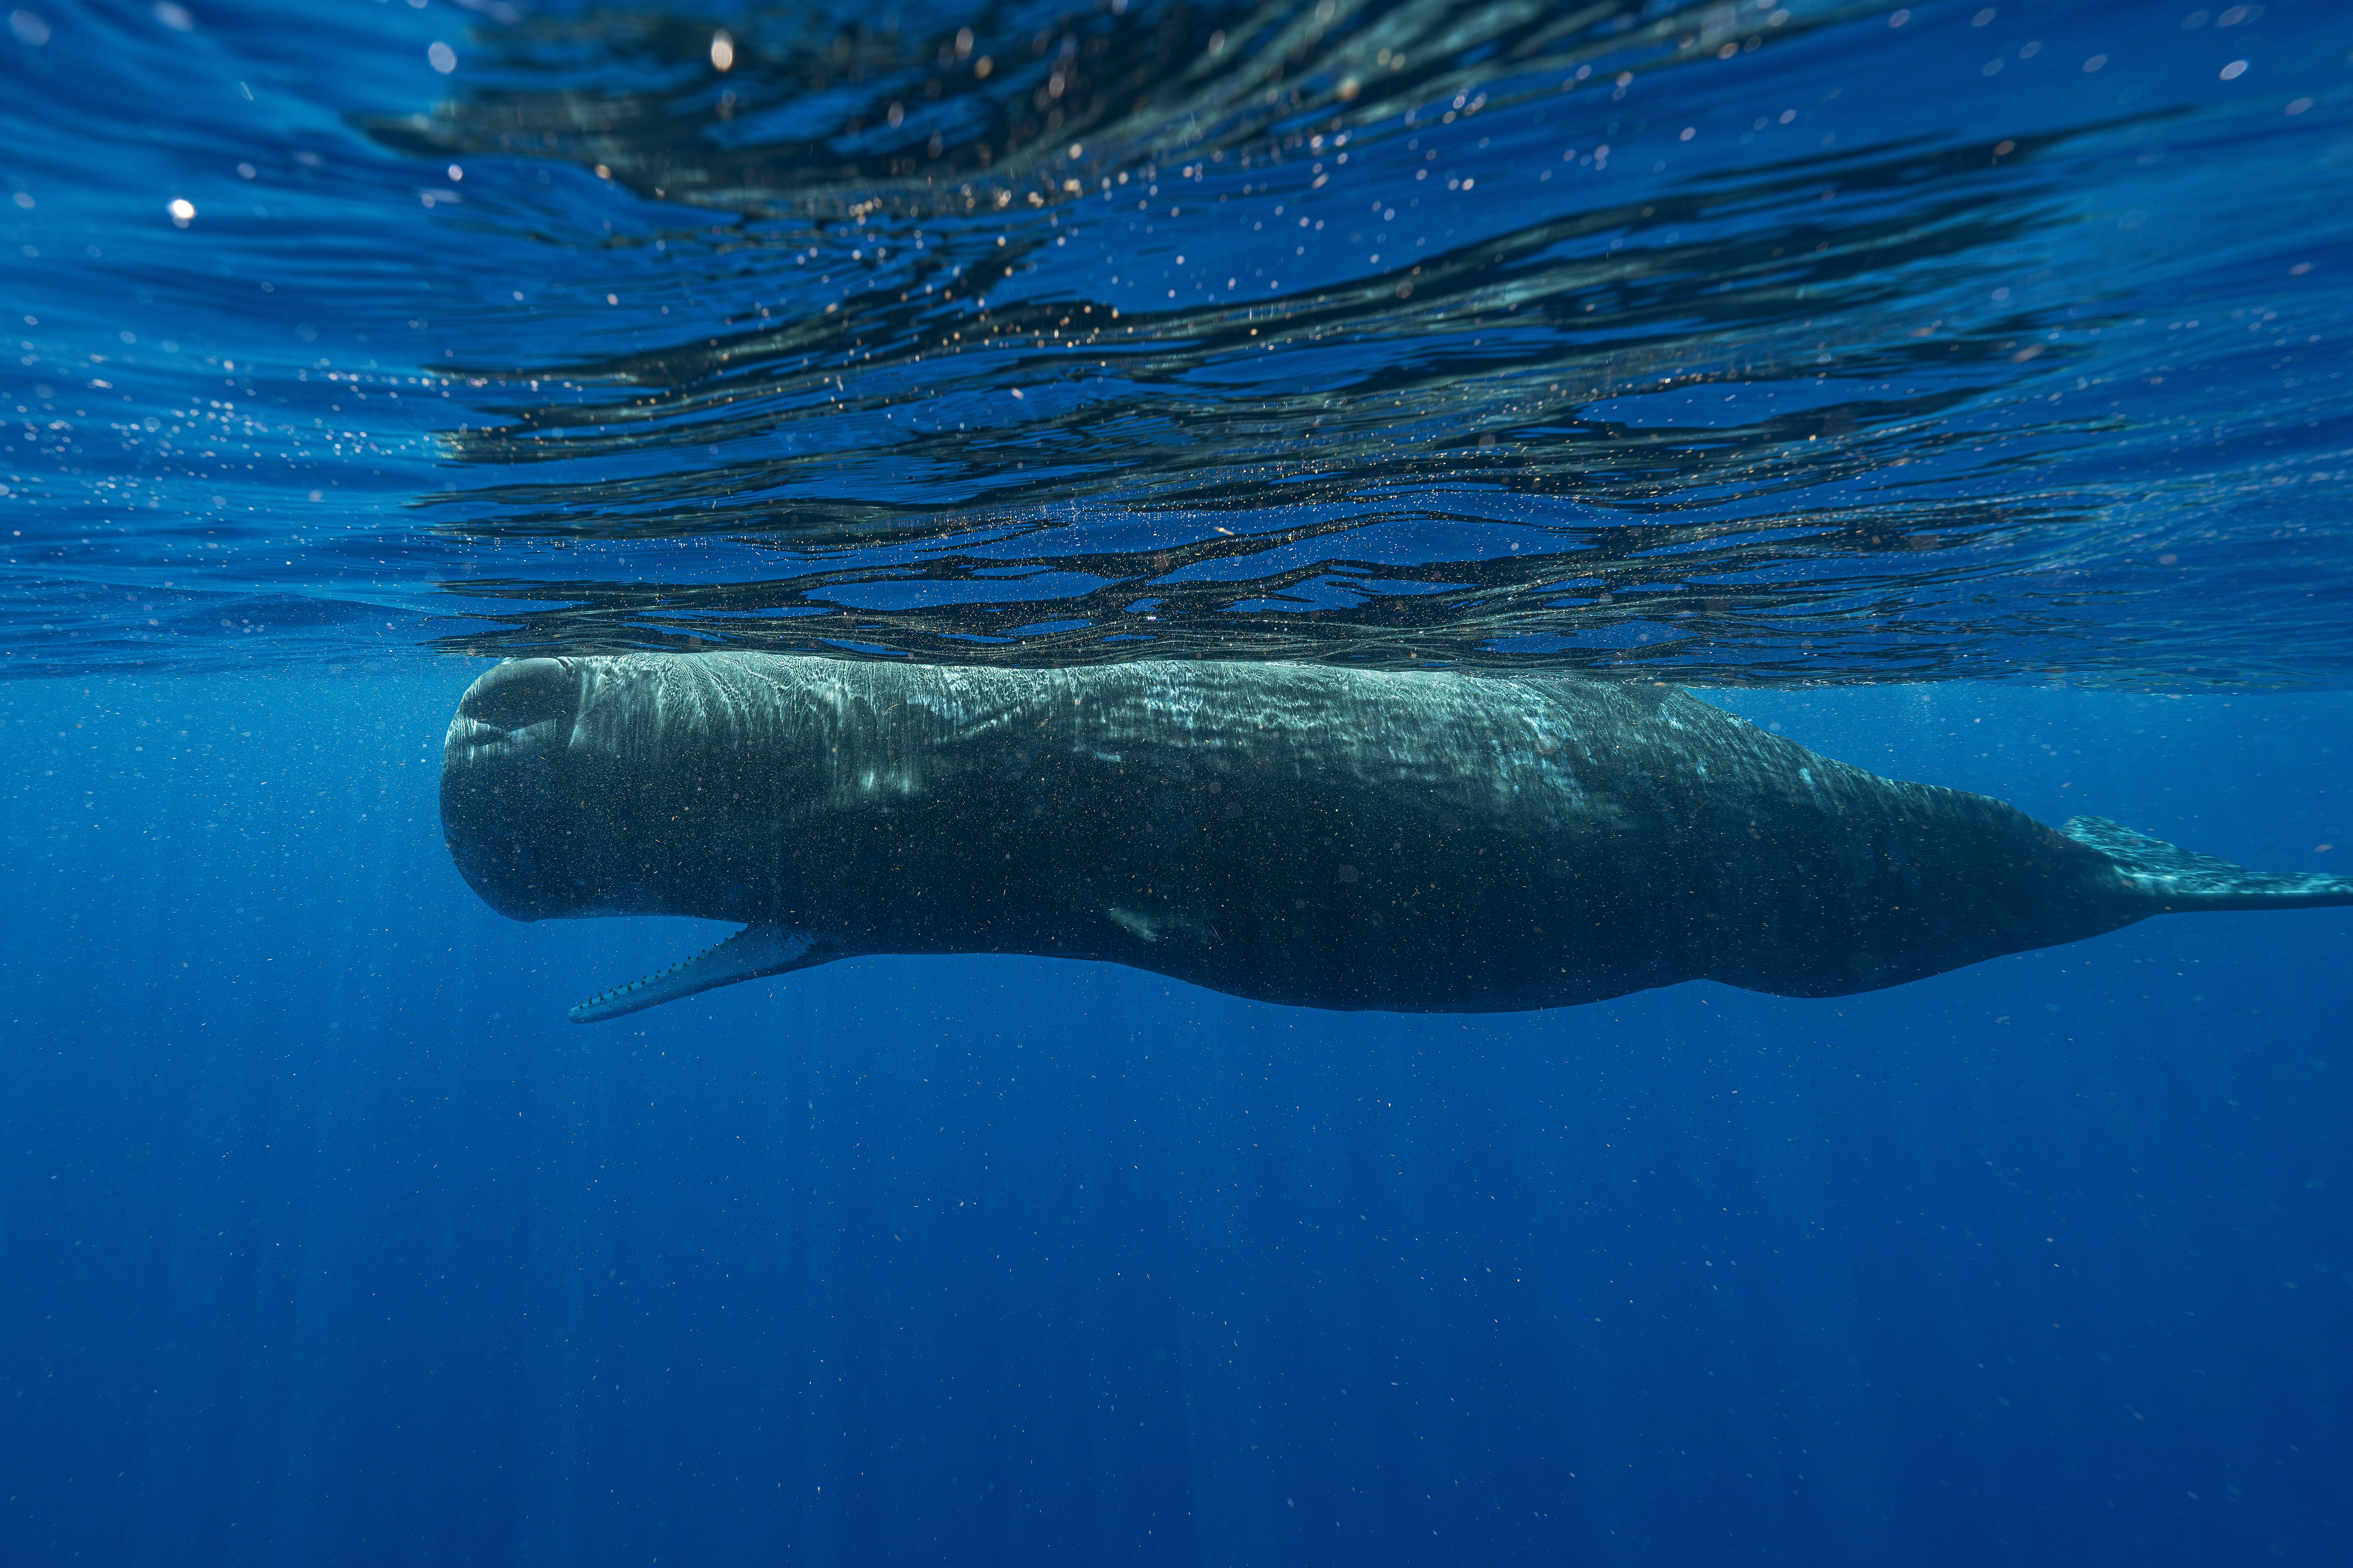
x=1299, y=834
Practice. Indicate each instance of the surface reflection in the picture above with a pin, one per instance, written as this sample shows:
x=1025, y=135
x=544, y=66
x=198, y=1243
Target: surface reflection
x=1491, y=334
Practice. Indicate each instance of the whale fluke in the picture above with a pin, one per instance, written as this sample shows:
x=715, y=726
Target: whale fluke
x=2182, y=879
x=760, y=948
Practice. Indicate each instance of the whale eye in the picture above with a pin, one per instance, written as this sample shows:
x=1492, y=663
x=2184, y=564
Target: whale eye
x=525, y=691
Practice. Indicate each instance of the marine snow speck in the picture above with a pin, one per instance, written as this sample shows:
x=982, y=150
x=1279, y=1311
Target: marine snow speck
x=1317, y=837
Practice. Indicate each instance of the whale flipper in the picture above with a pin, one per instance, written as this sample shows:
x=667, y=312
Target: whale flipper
x=761, y=948
x=2182, y=880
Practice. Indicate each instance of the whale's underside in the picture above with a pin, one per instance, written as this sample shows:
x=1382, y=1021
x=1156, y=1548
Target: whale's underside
x=1300, y=834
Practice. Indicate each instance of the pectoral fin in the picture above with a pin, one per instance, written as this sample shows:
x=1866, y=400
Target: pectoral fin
x=761, y=948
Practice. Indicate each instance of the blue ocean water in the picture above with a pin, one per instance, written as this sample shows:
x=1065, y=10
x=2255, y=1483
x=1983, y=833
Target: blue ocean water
x=1961, y=390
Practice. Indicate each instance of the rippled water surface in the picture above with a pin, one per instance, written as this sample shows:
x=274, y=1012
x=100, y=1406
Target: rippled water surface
x=1739, y=341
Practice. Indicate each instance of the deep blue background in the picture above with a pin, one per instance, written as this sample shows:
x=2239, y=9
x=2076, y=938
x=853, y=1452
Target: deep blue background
x=325, y=1239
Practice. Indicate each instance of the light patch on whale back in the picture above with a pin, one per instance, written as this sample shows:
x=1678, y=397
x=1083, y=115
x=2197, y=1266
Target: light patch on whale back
x=1142, y=926
x=1170, y=924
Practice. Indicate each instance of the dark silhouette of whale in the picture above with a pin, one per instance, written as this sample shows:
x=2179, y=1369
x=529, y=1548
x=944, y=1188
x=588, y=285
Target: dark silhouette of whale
x=1320, y=836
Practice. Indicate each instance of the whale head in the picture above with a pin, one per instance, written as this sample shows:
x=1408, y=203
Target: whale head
x=510, y=800
x=629, y=784
x=608, y=785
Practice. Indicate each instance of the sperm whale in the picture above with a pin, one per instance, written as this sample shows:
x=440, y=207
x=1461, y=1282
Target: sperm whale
x=1419, y=841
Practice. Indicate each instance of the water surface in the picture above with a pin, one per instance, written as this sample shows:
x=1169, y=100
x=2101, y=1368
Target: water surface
x=1726, y=341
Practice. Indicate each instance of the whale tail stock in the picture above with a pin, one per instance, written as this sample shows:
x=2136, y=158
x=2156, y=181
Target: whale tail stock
x=761, y=948
x=2183, y=883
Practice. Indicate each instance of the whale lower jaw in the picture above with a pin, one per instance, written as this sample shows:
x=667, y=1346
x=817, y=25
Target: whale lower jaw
x=764, y=947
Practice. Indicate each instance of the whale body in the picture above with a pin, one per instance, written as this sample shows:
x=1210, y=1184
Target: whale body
x=1298, y=834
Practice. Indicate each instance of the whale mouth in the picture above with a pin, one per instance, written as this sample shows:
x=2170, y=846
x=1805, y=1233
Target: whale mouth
x=764, y=947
